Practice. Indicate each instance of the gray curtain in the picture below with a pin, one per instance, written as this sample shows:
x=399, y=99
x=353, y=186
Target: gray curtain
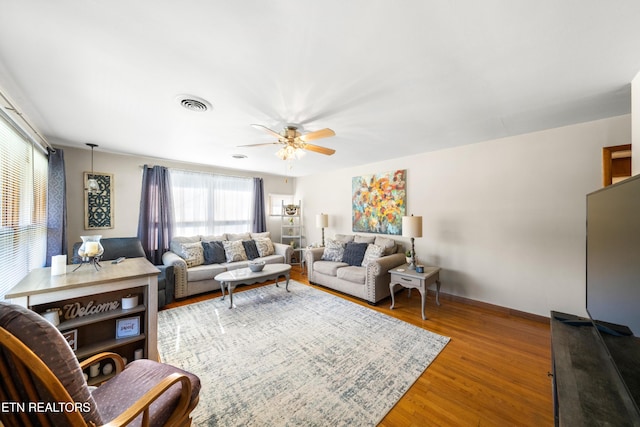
x=259, y=216
x=155, y=223
x=56, y=206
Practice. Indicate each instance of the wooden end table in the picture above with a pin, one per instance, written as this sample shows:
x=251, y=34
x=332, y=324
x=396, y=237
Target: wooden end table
x=410, y=279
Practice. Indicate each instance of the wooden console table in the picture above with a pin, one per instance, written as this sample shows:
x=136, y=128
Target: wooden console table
x=87, y=288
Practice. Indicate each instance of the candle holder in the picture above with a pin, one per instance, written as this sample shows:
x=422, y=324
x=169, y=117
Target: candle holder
x=90, y=251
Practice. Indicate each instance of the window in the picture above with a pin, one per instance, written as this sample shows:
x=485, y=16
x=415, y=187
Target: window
x=23, y=207
x=209, y=204
x=276, y=201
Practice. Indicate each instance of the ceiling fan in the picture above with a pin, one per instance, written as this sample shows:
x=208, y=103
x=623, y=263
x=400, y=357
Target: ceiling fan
x=294, y=142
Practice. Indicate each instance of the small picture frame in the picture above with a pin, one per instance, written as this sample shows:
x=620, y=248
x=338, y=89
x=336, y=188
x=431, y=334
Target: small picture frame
x=127, y=327
x=72, y=338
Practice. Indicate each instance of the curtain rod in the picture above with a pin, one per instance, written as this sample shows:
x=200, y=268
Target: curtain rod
x=10, y=106
x=195, y=171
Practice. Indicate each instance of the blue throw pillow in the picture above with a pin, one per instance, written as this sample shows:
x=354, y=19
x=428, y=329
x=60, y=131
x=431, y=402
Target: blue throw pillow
x=354, y=253
x=214, y=253
x=251, y=249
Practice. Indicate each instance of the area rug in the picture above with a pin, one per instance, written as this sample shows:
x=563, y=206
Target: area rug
x=298, y=358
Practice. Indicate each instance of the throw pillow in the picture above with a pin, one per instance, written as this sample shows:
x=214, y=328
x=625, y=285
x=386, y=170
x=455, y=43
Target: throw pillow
x=354, y=253
x=372, y=253
x=192, y=253
x=251, y=249
x=263, y=235
x=214, y=252
x=389, y=245
x=333, y=250
x=265, y=246
x=234, y=251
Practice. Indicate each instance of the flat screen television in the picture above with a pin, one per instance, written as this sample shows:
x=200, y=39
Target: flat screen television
x=613, y=278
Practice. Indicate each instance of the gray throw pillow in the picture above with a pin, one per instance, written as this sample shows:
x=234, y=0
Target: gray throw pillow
x=354, y=253
x=214, y=252
x=333, y=250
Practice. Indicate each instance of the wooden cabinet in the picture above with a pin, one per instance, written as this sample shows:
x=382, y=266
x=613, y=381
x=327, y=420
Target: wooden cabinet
x=89, y=306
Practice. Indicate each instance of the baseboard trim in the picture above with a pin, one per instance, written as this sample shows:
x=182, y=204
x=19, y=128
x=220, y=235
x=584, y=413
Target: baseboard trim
x=505, y=310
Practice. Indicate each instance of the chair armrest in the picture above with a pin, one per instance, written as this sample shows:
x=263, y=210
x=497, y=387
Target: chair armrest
x=117, y=359
x=378, y=277
x=284, y=250
x=142, y=405
x=179, y=272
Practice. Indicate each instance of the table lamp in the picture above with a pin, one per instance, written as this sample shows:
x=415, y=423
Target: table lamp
x=412, y=227
x=322, y=221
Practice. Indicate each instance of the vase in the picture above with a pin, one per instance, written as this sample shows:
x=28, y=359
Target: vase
x=90, y=250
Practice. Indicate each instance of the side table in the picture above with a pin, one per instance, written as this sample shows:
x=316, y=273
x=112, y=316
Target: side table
x=410, y=279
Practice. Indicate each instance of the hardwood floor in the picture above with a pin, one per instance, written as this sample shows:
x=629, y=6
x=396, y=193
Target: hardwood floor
x=493, y=372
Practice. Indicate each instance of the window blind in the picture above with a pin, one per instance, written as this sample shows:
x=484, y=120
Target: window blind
x=23, y=207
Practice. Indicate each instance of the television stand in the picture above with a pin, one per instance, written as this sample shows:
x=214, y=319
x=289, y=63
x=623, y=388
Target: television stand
x=586, y=388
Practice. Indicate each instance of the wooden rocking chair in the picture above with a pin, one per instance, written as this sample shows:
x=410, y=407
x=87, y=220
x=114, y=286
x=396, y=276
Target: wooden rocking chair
x=42, y=383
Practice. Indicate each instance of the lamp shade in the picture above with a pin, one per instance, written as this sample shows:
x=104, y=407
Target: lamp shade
x=322, y=220
x=412, y=226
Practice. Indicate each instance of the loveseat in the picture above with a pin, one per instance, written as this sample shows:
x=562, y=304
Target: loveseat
x=196, y=260
x=131, y=247
x=356, y=265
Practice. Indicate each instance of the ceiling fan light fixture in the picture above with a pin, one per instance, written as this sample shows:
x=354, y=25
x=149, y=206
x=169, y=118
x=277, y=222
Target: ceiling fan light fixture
x=289, y=152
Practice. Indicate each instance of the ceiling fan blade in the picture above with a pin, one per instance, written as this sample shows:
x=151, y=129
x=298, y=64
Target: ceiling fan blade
x=318, y=149
x=259, y=145
x=266, y=129
x=322, y=133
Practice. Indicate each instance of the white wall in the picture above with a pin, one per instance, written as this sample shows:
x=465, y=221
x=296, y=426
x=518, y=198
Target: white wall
x=505, y=219
x=127, y=177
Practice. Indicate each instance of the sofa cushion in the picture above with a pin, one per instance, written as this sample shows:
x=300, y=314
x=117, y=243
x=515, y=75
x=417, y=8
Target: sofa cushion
x=344, y=238
x=234, y=250
x=265, y=246
x=204, y=272
x=330, y=268
x=250, y=249
x=372, y=253
x=389, y=245
x=354, y=253
x=214, y=252
x=352, y=274
x=264, y=235
x=192, y=253
x=239, y=236
x=333, y=250
x=364, y=239
x=212, y=238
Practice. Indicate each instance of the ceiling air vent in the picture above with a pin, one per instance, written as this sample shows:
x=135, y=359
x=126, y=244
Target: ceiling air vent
x=193, y=103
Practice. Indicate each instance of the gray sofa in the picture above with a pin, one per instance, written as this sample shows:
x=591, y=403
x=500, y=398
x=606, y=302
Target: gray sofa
x=131, y=247
x=368, y=281
x=195, y=276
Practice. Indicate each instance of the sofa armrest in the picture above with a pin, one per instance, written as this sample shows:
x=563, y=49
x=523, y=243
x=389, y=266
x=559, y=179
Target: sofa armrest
x=312, y=255
x=378, y=277
x=166, y=273
x=179, y=272
x=285, y=250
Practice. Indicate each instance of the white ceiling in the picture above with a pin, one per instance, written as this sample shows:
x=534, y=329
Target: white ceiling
x=390, y=78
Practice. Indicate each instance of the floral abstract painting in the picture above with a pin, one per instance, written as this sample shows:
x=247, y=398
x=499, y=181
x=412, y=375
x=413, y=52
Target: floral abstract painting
x=379, y=202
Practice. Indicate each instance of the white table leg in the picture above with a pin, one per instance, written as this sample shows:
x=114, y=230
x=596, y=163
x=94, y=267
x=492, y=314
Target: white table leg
x=393, y=299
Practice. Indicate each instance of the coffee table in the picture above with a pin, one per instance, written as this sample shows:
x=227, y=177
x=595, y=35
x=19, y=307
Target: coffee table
x=244, y=276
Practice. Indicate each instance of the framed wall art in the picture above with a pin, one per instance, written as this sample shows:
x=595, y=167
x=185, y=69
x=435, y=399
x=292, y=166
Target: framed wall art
x=379, y=202
x=98, y=205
